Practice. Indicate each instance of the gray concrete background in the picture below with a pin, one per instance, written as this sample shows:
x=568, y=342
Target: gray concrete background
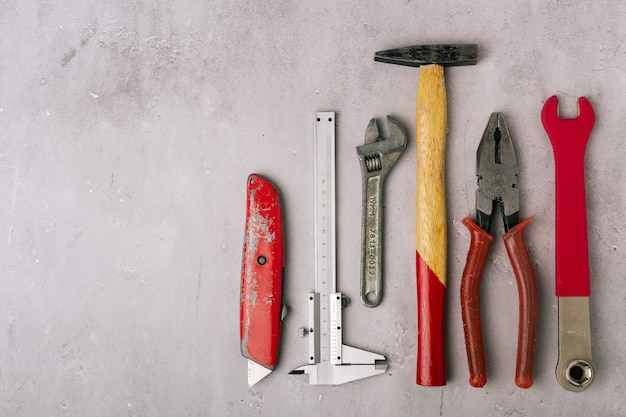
x=128, y=131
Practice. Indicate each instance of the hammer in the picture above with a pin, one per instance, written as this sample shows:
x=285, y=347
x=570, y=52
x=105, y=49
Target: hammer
x=430, y=197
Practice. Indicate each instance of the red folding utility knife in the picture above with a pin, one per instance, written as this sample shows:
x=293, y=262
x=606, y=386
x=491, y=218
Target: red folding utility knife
x=261, y=278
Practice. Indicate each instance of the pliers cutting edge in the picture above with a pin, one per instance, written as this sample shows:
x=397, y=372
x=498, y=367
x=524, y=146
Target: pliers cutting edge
x=497, y=186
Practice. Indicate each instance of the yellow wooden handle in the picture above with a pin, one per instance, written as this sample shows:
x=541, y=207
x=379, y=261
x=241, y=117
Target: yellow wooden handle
x=430, y=207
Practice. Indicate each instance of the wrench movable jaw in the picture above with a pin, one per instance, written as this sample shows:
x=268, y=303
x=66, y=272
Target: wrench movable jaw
x=377, y=156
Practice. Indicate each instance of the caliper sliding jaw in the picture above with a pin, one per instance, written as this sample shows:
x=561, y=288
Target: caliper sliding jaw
x=345, y=363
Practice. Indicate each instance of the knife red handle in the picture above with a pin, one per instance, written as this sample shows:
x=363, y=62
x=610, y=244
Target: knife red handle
x=262, y=273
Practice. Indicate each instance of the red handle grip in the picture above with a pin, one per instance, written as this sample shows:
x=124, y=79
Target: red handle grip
x=260, y=302
x=528, y=303
x=480, y=242
x=569, y=139
x=431, y=302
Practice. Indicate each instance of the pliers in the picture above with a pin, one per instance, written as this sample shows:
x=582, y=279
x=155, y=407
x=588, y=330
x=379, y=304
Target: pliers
x=497, y=186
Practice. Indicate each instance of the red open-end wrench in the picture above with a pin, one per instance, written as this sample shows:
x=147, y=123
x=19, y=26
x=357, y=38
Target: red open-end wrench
x=569, y=137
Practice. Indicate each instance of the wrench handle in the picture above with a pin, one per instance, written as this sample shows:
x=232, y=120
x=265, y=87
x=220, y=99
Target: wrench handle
x=569, y=140
x=371, y=241
x=572, y=258
x=430, y=210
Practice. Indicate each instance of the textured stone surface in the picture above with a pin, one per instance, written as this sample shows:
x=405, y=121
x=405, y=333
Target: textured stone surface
x=128, y=132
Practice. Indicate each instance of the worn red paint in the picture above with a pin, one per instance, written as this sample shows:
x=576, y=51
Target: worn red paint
x=262, y=273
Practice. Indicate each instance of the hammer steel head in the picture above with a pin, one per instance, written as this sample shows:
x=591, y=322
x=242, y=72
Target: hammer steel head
x=444, y=55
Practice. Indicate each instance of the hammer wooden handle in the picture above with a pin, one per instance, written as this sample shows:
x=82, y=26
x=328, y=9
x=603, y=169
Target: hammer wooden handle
x=430, y=209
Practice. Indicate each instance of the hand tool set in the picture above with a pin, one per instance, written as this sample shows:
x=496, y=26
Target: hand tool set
x=330, y=361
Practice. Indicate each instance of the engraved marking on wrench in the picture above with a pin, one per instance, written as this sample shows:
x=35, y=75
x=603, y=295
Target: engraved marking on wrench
x=377, y=157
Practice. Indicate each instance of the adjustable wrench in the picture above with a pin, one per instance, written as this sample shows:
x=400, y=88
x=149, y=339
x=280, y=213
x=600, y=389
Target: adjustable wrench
x=377, y=156
x=574, y=369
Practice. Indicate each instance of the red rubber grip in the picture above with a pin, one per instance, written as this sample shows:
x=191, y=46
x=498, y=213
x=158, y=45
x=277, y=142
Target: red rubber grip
x=528, y=303
x=480, y=242
x=431, y=295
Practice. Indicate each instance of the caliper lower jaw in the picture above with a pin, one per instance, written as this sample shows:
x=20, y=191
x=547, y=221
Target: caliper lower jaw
x=356, y=364
x=574, y=369
x=330, y=361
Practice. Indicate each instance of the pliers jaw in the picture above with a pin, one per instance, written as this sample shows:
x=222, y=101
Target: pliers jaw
x=484, y=218
x=496, y=168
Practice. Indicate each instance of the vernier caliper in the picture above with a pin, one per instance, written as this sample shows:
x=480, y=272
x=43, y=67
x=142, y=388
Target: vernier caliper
x=330, y=361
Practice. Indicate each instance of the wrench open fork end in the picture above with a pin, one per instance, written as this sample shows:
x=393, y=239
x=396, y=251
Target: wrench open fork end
x=377, y=156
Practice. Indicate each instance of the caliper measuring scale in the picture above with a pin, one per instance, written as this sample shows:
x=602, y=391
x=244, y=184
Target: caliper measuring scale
x=330, y=361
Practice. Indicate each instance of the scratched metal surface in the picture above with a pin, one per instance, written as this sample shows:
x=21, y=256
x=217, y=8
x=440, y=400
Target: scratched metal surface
x=128, y=130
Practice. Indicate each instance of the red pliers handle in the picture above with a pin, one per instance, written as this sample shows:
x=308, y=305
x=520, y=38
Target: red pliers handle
x=528, y=302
